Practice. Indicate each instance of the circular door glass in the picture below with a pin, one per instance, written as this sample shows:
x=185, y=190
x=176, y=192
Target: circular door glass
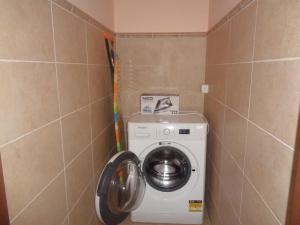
x=120, y=189
x=167, y=168
x=127, y=187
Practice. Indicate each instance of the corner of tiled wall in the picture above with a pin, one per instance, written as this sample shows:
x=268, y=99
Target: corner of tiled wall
x=56, y=111
x=253, y=66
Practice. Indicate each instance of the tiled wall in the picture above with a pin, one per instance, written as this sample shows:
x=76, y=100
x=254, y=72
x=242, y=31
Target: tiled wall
x=161, y=63
x=253, y=67
x=56, y=112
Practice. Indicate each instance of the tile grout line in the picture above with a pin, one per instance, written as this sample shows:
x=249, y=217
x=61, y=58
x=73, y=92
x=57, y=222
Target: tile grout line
x=64, y=221
x=50, y=62
x=257, y=61
x=60, y=112
x=248, y=113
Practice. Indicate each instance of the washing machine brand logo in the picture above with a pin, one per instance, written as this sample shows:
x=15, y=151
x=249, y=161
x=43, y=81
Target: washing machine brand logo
x=148, y=98
x=142, y=127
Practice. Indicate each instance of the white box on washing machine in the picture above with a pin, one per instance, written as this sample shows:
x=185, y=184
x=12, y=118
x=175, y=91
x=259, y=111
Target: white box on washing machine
x=159, y=104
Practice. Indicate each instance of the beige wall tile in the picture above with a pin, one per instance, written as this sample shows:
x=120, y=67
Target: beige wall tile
x=140, y=77
x=222, y=53
x=213, y=214
x=235, y=136
x=28, y=98
x=141, y=51
x=192, y=79
x=231, y=174
x=214, y=151
x=29, y=164
x=102, y=146
x=96, y=46
x=76, y=132
x=102, y=116
x=242, y=34
x=95, y=220
x=191, y=102
x=214, y=188
x=70, y=38
x=214, y=112
x=254, y=211
x=83, y=211
x=78, y=175
x=211, y=48
x=238, y=87
x=26, y=30
x=216, y=79
x=132, y=100
x=100, y=82
x=269, y=166
x=73, y=87
x=184, y=50
x=277, y=34
x=49, y=208
x=227, y=213
x=275, y=98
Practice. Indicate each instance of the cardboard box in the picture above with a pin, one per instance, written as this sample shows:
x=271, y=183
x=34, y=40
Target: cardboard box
x=160, y=104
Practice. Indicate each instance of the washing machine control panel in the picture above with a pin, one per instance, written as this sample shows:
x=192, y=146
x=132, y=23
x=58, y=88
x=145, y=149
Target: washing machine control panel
x=169, y=131
x=181, y=131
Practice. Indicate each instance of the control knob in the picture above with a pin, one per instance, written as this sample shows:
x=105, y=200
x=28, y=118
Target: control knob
x=166, y=131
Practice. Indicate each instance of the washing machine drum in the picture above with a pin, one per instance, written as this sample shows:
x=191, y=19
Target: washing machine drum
x=166, y=168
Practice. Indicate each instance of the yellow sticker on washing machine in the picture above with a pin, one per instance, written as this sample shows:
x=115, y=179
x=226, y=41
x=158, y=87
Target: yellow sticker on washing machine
x=195, y=205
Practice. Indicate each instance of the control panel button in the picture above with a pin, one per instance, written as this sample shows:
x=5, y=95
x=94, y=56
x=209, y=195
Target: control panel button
x=166, y=131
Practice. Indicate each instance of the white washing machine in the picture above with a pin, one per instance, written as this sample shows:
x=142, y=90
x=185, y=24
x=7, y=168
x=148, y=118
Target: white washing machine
x=161, y=179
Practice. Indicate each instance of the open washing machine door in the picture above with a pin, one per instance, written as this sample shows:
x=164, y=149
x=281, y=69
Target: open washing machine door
x=121, y=188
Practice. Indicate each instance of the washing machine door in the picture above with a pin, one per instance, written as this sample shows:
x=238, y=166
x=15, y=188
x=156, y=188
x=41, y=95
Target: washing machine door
x=120, y=189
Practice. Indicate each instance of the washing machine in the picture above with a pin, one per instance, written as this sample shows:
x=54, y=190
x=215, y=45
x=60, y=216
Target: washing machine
x=161, y=178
